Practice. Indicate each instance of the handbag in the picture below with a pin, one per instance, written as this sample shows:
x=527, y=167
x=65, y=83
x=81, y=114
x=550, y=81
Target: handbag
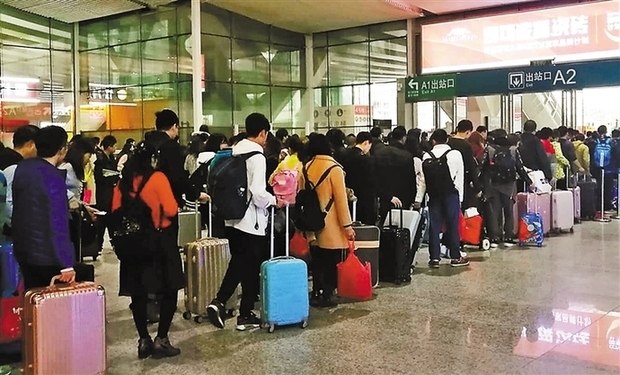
x=354, y=278
x=299, y=246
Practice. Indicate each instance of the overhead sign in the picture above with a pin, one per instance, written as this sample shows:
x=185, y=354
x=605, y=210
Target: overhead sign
x=571, y=33
x=539, y=78
x=434, y=87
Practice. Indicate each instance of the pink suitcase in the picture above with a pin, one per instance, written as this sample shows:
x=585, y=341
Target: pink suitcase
x=576, y=203
x=536, y=203
x=64, y=330
x=562, y=211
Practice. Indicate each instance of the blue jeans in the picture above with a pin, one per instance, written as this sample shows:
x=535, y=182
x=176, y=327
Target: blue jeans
x=444, y=210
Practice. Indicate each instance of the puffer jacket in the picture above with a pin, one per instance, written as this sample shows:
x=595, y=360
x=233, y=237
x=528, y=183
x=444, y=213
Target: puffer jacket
x=583, y=155
x=562, y=161
x=41, y=215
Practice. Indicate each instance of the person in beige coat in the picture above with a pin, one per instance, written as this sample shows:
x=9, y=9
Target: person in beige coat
x=328, y=244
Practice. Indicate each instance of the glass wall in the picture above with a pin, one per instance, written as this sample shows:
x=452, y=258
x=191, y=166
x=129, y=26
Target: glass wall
x=36, y=84
x=354, y=76
x=136, y=64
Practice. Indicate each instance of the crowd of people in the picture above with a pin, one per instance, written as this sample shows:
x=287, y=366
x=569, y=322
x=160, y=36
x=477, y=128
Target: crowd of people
x=55, y=186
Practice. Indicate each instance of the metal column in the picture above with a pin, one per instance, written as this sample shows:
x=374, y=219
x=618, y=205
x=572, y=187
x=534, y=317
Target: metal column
x=197, y=67
x=411, y=70
x=76, y=78
x=308, y=98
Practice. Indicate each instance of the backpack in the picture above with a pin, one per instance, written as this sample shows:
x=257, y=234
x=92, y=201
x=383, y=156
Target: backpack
x=198, y=180
x=602, y=153
x=284, y=184
x=310, y=217
x=503, y=166
x=227, y=184
x=132, y=226
x=439, y=181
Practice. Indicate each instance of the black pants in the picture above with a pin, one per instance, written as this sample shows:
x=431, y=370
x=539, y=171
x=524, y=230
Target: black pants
x=103, y=223
x=500, y=215
x=247, y=254
x=167, y=308
x=324, y=271
x=38, y=276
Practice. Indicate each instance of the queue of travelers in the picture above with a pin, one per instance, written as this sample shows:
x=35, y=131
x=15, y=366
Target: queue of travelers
x=48, y=199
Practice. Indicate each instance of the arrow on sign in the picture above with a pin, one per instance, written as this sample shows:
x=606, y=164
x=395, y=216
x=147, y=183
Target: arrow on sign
x=516, y=81
x=413, y=85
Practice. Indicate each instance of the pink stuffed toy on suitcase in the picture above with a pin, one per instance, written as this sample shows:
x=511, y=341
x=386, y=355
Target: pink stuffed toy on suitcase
x=284, y=184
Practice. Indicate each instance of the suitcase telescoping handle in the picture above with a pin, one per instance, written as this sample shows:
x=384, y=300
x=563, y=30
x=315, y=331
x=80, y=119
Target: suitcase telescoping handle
x=272, y=235
x=400, y=224
x=210, y=229
x=354, y=209
x=197, y=221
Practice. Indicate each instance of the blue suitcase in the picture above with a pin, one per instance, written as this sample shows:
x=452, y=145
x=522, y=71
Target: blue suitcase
x=284, y=288
x=9, y=270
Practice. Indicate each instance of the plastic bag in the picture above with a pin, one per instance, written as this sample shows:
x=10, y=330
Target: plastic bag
x=470, y=229
x=299, y=246
x=354, y=278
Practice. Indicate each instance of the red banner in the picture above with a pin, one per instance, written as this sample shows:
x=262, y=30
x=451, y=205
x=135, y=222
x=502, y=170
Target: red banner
x=573, y=33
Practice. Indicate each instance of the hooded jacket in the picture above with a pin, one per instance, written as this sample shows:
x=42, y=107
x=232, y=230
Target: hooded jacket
x=41, y=215
x=255, y=219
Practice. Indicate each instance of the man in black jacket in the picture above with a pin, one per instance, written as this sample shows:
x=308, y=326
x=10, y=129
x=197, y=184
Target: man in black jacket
x=106, y=178
x=395, y=174
x=459, y=142
x=533, y=153
x=377, y=143
x=360, y=178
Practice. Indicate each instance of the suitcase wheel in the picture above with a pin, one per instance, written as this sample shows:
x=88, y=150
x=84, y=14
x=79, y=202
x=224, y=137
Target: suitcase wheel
x=271, y=328
x=187, y=315
x=539, y=244
x=199, y=319
x=485, y=244
x=304, y=324
x=521, y=244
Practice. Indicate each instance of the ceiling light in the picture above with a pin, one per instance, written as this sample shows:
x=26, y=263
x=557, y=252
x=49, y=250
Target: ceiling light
x=19, y=79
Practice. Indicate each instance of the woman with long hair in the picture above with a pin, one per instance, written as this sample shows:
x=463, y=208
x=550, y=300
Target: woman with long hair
x=153, y=266
x=126, y=151
x=196, y=146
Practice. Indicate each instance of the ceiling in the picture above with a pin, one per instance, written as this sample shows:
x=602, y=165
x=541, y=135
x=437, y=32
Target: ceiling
x=305, y=16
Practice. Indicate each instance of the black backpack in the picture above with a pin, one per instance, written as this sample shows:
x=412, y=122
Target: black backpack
x=198, y=180
x=503, y=166
x=132, y=225
x=227, y=184
x=310, y=217
x=439, y=181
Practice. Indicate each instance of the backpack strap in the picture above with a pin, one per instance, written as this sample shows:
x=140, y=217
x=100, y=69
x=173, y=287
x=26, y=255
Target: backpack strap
x=145, y=179
x=310, y=186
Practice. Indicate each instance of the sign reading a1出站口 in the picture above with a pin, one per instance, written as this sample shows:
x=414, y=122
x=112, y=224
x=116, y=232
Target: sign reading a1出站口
x=432, y=87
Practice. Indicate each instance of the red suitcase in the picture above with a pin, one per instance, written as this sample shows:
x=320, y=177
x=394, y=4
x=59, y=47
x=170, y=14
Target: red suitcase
x=536, y=203
x=64, y=330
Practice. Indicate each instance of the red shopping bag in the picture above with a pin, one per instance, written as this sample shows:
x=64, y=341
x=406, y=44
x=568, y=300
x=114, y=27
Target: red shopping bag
x=299, y=246
x=354, y=278
x=10, y=320
x=470, y=229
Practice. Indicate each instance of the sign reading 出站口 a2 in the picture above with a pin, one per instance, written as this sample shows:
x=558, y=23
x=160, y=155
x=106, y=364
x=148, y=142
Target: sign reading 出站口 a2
x=432, y=87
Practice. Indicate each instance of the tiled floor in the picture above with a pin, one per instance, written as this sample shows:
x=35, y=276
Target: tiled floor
x=553, y=310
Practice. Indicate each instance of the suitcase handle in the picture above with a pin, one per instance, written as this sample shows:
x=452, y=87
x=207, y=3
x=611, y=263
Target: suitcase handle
x=401, y=217
x=57, y=278
x=272, y=235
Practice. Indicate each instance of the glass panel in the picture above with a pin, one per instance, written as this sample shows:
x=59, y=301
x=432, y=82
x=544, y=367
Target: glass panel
x=62, y=108
x=247, y=28
x=157, y=97
x=217, y=107
x=286, y=109
x=384, y=98
x=216, y=51
x=93, y=35
x=345, y=36
x=184, y=18
x=25, y=29
x=600, y=107
x=62, y=69
x=22, y=107
x=125, y=64
x=348, y=64
x=184, y=90
x=94, y=68
x=215, y=20
x=25, y=62
x=61, y=34
x=251, y=61
x=286, y=66
x=388, y=30
x=159, y=61
x=321, y=67
x=125, y=29
x=288, y=38
x=159, y=24
x=446, y=115
x=483, y=109
x=388, y=60
x=319, y=40
x=249, y=99
x=425, y=116
x=184, y=48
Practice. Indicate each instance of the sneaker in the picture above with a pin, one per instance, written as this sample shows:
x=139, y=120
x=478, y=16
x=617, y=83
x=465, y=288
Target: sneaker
x=248, y=322
x=434, y=263
x=509, y=243
x=162, y=349
x=215, y=312
x=145, y=348
x=494, y=245
x=461, y=262
x=463, y=254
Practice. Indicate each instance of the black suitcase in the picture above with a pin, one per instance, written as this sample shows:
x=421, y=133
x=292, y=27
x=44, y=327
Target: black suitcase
x=367, y=239
x=588, y=199
x=395, y=254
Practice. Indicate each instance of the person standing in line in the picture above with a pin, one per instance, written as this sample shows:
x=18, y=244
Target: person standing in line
x=444, y=173
x=247, y=237
x=471, y=187
x=359, y=169
x=106, y=179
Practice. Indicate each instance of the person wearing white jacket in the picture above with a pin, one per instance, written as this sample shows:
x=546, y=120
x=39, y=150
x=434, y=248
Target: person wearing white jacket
x=444, y=174
x=247, y=237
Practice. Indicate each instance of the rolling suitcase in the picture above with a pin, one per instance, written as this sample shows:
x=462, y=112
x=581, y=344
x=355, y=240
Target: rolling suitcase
x=531, y=229
x=395, y=252
x=562, y=211
x=206, y=261
x=367, y=243
x=284, y=287
x=190, y=225
x=589, y=193
x=576, y=203
x=64, y=330
x=536, y=203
